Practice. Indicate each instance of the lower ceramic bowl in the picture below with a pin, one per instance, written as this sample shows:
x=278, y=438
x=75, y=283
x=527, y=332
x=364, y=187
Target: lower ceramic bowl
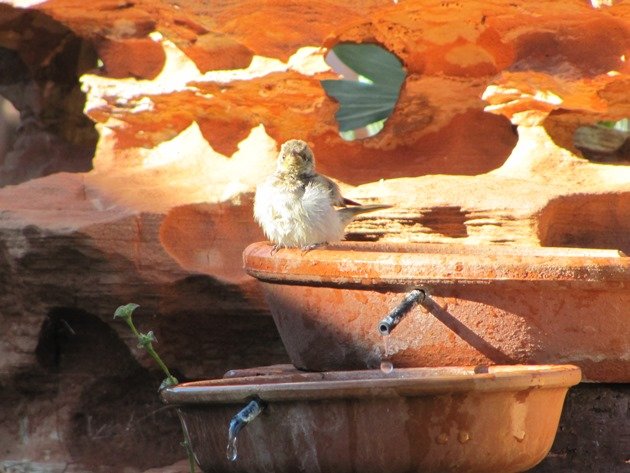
x=455, y=419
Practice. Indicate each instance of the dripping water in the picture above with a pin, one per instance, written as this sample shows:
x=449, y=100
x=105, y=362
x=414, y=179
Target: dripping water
x=386, y=365
x=232, y=451
x=240, y=420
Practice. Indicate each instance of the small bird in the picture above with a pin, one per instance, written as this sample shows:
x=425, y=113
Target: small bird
x=299, y=208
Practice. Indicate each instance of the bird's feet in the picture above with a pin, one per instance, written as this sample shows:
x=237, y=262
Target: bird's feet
x=307, y=248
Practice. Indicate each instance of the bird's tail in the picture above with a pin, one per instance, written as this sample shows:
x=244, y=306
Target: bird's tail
x=348, y=213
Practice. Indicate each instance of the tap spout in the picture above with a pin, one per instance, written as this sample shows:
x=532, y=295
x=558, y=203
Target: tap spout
x=392, y=319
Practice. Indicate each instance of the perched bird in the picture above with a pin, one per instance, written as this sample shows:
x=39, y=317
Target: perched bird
x=299, y=208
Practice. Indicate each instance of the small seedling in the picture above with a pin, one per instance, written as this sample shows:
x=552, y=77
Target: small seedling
x=146, y=340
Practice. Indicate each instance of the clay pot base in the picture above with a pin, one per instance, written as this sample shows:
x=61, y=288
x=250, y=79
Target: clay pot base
x=474, y=419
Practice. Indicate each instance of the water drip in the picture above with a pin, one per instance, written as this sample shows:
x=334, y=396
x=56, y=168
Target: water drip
x=240, y=420
x=387, y=366
x=232, y=451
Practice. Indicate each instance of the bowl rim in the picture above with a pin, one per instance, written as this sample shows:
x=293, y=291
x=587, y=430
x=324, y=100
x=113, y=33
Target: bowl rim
x=405, y=382
x=405, y=264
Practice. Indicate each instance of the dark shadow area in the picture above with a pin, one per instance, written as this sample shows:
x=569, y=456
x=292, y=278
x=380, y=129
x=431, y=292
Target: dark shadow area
x=74, y=341
x=40, y=65
x=120, y=421
x=204, y=326
x=113, y=402
x=354, y=236
x=587, y=221
x=86, y=390
x=594, y=431
x=447, y=221
x=466, y=334
x=230, y=333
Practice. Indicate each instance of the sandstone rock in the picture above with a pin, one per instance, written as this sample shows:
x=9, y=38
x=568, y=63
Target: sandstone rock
x=139, y=58
x=41, y=60
x=189, y=103
x=67, y=262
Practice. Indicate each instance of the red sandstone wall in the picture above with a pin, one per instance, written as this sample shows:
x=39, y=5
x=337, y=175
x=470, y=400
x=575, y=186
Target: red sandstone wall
x=190, y=101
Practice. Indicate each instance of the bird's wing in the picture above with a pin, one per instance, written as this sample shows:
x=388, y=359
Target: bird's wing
x=338, y=200
x=347, y=214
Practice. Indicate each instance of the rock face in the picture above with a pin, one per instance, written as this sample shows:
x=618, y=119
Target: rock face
x=146, y=125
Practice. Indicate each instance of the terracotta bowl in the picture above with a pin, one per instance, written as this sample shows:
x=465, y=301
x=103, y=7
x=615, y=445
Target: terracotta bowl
x=497, y=419
x=487, y=305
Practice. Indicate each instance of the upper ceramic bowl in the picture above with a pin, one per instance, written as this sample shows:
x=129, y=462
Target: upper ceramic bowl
x=487, y=304
x=458, y=419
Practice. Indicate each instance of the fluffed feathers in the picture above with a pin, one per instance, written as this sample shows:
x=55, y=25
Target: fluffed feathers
x=296, y=206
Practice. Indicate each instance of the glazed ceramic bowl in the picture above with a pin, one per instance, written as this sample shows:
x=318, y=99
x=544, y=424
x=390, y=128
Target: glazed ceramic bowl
x=486, y=305
x=493, y=419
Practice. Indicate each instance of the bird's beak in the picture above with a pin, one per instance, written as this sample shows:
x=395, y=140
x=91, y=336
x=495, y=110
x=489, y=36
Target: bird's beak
x=293, y=159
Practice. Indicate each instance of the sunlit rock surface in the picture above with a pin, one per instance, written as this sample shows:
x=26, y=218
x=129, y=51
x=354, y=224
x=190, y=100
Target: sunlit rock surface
x=146, y=125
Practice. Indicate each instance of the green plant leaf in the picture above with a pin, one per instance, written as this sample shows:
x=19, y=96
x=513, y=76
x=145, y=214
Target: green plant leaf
x=363, y=103
x=360, y=104
x=358, y=91
x=352, y=121
x=145, y=339
x=124, y=311
x=372, y=61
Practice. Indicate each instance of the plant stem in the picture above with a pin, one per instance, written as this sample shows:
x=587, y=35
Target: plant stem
x=191, y=458
x=145, y=342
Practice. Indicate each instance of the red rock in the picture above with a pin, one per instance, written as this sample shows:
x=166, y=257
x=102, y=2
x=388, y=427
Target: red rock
x=139, y=58
x=159, y=215
x=212, y=51
x=207, y=238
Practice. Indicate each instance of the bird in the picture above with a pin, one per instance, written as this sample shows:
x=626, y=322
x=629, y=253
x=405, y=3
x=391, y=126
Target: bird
x=296, y=207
